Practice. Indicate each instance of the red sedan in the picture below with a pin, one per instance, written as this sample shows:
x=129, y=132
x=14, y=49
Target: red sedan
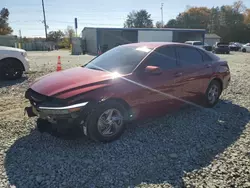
x=128, y=82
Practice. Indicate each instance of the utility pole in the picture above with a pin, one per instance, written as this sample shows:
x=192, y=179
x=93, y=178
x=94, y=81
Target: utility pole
x=20, y=34
x=44, y=20
x=162, y=15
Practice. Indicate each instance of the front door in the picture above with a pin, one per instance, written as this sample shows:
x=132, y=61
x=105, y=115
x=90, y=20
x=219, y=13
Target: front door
x=159, y=93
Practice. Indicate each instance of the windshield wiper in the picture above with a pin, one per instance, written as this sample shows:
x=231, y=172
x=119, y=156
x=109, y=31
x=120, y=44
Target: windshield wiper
x=95, y=68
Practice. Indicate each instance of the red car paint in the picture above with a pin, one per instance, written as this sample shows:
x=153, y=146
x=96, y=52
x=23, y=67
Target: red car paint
x=147, y=95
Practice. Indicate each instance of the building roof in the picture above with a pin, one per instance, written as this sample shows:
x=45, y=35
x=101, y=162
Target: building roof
x=146, y=29
x=212, y=36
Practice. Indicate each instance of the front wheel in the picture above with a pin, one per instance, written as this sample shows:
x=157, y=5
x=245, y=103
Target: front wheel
x=213, y=94
x=10, y=69
x=244, y=50
x=107, y=122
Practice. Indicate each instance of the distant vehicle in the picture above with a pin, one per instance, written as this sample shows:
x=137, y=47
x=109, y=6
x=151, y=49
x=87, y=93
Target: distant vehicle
x=195, y=43
x=13, y=62
x=234, y=46
x=200, y=45
x=208, y=47
x=245, y=47
x=128, y=82
x=221, y=48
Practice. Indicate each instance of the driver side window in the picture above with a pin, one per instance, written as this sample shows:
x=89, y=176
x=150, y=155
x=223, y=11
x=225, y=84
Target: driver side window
x=164, y=58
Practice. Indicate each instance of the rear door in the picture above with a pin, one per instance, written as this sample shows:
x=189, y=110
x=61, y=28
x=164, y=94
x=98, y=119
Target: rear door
x=196, y=70
x=159, y=98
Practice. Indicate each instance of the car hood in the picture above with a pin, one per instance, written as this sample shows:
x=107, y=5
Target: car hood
x=58, y=83
x=5, y=48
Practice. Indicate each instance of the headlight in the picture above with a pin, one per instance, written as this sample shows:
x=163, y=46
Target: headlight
x=24, y=54
x=62, y=110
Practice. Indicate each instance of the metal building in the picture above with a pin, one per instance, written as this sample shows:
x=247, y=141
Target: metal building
x=107, y=38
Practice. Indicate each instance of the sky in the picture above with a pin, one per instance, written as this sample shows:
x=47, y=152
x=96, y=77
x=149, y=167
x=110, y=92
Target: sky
x=27, y=15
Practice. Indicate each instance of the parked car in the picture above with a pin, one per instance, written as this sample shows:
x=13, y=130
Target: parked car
x=245, y=47
x=200, y=45
x=129, y=82
x=13, y=62
x=208, y=47
x=221, y=47
x=195, y=43
x=233, y=46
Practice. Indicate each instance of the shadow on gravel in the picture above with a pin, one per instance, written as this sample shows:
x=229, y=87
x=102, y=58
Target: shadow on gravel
x=5, y=83
x=153, y=152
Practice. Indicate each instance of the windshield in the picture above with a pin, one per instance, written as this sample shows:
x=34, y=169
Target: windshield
x=122, y=59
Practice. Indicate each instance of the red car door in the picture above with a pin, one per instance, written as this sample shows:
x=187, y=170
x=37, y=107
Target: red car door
x=196, y=72
x=159, y=93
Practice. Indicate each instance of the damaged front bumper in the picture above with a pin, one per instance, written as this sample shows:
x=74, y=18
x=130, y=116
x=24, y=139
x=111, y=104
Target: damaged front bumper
x=61, y=119
x=54, y=114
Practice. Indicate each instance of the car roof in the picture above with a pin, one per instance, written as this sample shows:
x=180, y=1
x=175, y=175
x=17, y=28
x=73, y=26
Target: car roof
x=155, y=44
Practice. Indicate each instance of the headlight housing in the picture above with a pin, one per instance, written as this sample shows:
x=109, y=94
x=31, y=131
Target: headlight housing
x=24, y=54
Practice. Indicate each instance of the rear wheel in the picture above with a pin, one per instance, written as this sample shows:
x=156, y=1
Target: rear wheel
x=11, y=69
x=244, y=50
x=213, y=94
x=107, y=122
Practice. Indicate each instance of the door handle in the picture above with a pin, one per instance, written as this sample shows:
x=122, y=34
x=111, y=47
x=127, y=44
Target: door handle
x=178, y=74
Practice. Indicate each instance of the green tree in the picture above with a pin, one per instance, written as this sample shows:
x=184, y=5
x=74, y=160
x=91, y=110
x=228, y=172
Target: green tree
x=214, y=23
x=194, y=18
x=69, y=33
x=138, y=19
x=172, y=24
x=55, y=36
x=247, y=17
x=230, y=22
x=158, y=24
x=4, y=25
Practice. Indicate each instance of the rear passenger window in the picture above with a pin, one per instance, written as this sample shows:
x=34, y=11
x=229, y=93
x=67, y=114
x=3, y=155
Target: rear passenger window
x=164, y=57
x=206, y=57
x=189, y=56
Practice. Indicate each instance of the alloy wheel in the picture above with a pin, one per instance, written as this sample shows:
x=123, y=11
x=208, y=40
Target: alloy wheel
x=213, y=94
x=110, y=122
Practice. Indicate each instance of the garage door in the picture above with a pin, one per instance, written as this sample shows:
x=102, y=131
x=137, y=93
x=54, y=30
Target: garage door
x=155, y=36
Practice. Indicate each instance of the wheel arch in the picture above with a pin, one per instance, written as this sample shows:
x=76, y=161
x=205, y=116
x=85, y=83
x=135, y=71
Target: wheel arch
x=218, y=80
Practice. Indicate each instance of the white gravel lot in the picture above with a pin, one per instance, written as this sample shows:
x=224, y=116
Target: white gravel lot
x=190, y=148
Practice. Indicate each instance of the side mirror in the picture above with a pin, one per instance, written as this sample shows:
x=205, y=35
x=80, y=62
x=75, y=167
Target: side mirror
x=154, y=70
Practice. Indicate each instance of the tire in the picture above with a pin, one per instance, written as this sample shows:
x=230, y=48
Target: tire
x=228, y=52
x=209, y=100
x=43, y=125
x=244, y=50
x=10, y=69
x=94, y=122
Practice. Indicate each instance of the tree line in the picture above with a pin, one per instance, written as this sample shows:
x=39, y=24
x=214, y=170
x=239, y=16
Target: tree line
x=230, y=22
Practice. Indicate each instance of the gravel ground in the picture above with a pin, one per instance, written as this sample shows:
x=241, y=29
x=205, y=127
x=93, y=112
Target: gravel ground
x=191, y=148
